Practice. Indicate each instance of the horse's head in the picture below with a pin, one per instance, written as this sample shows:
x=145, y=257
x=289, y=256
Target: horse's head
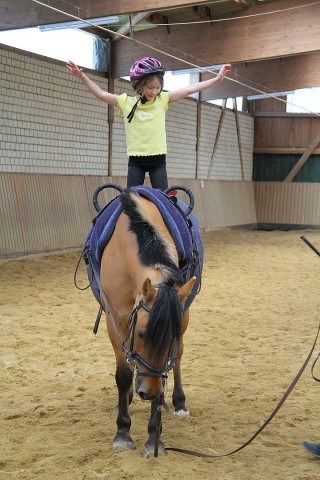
x=156, y=329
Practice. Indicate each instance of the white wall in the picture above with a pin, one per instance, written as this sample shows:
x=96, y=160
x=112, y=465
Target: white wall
x=49, y=123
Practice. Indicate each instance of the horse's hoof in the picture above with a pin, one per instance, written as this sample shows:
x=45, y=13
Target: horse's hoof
x=123, y=443
x=149, y=451
x=181, y=413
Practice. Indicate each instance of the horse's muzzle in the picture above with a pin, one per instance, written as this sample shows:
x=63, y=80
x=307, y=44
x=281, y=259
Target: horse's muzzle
x=149, y=388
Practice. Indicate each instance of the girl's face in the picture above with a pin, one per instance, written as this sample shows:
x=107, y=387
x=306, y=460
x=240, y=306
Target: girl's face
x=152, y=88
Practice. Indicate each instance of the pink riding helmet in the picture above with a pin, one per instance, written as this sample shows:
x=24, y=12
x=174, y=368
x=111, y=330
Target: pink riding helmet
x=145, y=66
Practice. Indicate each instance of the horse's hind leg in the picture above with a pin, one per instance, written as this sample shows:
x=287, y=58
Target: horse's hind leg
x=124, y=376
x=178, y=396
x=153, y=429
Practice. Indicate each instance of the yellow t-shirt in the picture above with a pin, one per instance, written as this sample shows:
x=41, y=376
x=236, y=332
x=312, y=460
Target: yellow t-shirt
x=146, y=133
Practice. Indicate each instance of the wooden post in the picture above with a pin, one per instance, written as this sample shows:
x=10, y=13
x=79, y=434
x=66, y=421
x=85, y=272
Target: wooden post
x=223, y=111
x=110, y=109
x=198, y=130
x=235, y=109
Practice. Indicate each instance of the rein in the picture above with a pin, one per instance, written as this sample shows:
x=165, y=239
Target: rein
x=267, y=421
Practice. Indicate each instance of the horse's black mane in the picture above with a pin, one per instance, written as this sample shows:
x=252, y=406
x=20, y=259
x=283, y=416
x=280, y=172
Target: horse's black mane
x=152, y=249
x=164, y=325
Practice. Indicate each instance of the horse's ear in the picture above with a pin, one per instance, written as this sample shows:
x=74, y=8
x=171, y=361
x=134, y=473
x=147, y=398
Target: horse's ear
x=185, y=290
x=148, y=291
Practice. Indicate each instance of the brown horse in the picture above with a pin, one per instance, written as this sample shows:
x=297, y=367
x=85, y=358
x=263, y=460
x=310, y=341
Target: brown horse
x=144, y=294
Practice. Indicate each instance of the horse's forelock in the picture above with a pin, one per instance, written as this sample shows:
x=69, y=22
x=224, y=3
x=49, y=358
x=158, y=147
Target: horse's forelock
x=164, y=325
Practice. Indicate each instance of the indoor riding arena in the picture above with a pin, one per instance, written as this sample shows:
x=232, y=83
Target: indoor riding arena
x=249, y=367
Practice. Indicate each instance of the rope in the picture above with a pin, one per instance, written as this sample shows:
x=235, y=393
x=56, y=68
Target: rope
x=267, y=421
x=190, y=64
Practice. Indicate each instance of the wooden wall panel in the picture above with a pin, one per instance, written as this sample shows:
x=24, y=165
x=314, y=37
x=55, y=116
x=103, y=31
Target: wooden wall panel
x=47, y=213
x=105, y=195
x=12, y=231
x=279, y=203
x=284, y=131
x=41, y=213
x=197, y=191
x=52, y=211
x=275, y=167
x=228, y=204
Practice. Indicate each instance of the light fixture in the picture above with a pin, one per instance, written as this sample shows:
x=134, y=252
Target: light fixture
x=272, y=94
x=79, y=24
x=197, y=69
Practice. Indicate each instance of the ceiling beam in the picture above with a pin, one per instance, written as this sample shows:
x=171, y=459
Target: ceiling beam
x=26, y=13
x=134, y=20
x=242, y=3
x=233, y=41
x=199, y=11
x=277, y=75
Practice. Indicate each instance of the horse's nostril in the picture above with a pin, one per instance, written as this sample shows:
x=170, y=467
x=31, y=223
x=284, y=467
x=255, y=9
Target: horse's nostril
x=142, y=395
x=147, y=395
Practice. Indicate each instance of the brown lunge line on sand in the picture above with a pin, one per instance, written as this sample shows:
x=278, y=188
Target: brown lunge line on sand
x=267, y=421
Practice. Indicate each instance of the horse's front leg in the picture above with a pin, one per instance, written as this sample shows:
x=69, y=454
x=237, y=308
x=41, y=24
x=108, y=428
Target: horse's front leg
x=124, y=377
x=154, y=430
x=178, y=396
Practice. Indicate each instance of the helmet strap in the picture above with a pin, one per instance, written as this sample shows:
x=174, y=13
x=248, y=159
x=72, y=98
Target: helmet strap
x=143, y=100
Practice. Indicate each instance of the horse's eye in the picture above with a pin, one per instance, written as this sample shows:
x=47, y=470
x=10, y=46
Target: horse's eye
x=140, y=334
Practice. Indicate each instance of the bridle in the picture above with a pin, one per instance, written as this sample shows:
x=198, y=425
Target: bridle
x=134, y=358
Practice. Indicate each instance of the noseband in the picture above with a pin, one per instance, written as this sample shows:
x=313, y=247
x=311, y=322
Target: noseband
x=133, y=358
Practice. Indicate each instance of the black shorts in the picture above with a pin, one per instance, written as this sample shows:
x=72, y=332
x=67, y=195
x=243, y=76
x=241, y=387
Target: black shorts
x=155, y=165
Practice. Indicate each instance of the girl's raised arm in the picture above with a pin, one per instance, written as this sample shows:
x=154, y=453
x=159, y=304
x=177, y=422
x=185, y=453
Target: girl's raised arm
x=92, y=87
x=199, y=86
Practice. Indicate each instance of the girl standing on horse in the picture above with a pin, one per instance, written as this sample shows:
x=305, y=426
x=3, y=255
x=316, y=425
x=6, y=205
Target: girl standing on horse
x=144, y=116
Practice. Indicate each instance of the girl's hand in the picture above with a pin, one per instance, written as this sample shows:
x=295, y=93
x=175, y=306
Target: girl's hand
x=223, y=71
x=74, y=69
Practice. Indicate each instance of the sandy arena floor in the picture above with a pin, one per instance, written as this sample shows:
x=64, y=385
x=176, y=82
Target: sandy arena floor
x=252, y=326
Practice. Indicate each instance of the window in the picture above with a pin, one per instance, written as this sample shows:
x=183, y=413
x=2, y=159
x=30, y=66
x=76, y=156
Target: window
x=306, y=100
